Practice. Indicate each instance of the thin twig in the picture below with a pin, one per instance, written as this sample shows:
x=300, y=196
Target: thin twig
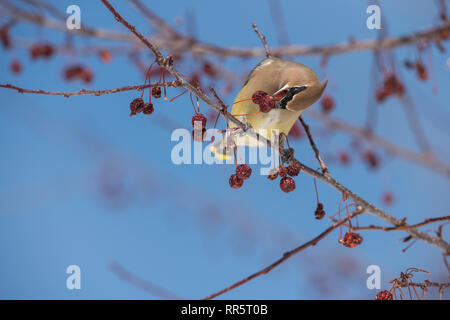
x=323, y=167
x=140, y=283
x=263, y=40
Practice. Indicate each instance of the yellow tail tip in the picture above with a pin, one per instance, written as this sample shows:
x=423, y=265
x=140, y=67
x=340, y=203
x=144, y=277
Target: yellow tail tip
x=218, y=155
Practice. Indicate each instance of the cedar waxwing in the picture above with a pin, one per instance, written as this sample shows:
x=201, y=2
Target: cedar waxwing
x=299, y=87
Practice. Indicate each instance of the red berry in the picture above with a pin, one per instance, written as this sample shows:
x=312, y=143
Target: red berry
x=105, y=55
x=209, y=69
x=351, y=239
x=384, y=295
x=372, y=159
x=388, y=198
x=344, y=158
x=319, y=213
x=294, y=168
x=148, y=108
x=257, y=96
x=421, y=71
x=156, y=92
x=243, y=171
x=199, y=117
x=16, y=66
x=287, y=184
x=235, y=181
x=327, y=104
x=4, y=36
x=266, y=104
x=136, y=106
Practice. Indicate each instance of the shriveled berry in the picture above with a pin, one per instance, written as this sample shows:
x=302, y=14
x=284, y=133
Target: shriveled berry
x=287, y=184
x=156, y=92
x=235, y=181
x=199, y=136
x=351, y=239
x=282, y=171
x=384, y=295
x=319, y=213
x=148, y=108
x=327, y=104
x=266, y=104
x=273, y=174
x=257, y=96
x=293, y=168
x=243, y=171
x=136, y=106
x=199, y=117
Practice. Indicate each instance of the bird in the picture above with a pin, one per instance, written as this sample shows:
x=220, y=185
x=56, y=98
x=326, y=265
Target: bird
x=295, y=87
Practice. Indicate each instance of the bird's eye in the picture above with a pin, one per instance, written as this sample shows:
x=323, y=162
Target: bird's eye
x=291, y=92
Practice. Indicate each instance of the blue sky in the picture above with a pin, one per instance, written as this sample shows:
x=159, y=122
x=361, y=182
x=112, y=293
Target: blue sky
x=83, y=183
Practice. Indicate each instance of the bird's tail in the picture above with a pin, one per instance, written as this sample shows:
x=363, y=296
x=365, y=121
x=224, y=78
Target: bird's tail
x=222, y=150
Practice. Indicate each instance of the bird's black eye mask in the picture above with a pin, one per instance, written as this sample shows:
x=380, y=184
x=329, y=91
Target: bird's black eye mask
x=291, y=92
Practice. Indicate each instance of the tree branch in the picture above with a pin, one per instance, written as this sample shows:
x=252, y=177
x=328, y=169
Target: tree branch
x=286, y=255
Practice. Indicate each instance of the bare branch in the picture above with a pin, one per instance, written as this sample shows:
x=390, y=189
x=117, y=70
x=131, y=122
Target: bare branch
x=199, y=48
x=94, y=92
x=286, y=255
x=423, y=159
x=140, y=283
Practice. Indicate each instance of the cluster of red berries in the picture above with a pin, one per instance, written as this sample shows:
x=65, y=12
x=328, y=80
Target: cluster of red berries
x=41, y=50
x=351, y=239
x=287, y=184
x=198, y=117
x=243, y=172
x=78, y=72
x=138, y=105
x=327, y=104
x=265, y=101
x=384, y=295
x=420, y=69
x=4, y=36
x=390, y=87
